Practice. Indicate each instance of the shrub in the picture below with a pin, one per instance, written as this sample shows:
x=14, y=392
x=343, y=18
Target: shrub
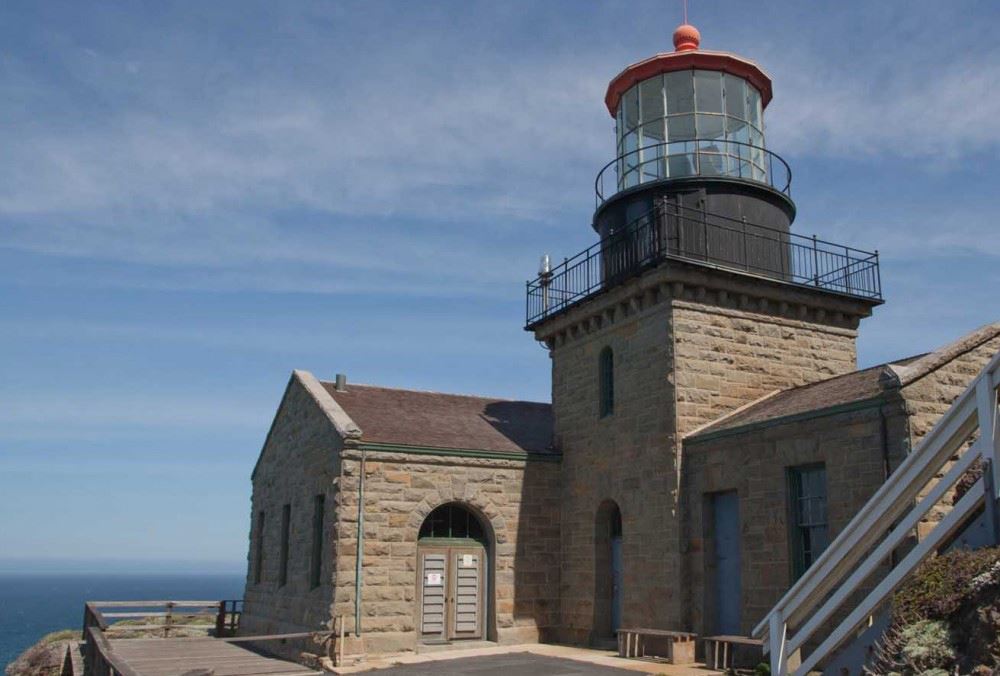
x=926, y=646
x=938, y=588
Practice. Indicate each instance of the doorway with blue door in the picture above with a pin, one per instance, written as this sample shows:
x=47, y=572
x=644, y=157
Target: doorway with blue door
x=723, y=563
x=609, y=564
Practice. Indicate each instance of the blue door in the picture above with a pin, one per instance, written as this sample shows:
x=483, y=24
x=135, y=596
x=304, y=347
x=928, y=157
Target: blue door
x=616, y=583
x=726, y=529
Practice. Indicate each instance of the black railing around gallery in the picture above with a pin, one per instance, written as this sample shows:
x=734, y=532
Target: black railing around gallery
x=670, y=231
x=695, y=157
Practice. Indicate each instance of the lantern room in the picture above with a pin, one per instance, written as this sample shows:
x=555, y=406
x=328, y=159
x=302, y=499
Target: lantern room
x=689, y=124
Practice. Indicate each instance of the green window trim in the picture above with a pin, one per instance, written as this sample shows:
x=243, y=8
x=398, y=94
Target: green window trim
x=452, y=521
x=807, y=516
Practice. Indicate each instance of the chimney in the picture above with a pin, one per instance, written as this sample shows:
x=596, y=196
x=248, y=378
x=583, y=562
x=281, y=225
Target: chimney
x=341, y=383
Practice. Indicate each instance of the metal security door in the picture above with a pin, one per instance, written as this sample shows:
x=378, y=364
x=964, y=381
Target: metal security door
x=466, y=594
x=728, y=588
x=433, y=583
x=616, y=583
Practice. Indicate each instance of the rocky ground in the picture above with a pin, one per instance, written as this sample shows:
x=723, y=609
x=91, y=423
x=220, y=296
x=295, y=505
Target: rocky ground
x=45, y=658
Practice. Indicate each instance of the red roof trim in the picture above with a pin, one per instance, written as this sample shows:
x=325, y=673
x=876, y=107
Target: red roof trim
x=674, y=61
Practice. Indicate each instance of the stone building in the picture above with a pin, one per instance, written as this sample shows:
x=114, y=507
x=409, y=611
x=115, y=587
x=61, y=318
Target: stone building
x=708, y=433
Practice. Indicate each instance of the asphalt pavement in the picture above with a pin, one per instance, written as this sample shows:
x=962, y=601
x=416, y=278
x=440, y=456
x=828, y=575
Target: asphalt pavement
x=510, y=664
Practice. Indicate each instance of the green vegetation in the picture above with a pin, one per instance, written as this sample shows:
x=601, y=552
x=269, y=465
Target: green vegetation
x=945, y=618
x=45, y=658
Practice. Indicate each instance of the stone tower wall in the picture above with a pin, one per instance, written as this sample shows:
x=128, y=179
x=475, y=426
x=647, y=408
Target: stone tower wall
x=727, y=357
x=689, y=346
x=626, y=457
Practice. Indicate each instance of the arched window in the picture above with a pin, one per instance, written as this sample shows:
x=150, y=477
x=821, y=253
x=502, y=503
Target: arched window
x=606, y=381
x=452, y=521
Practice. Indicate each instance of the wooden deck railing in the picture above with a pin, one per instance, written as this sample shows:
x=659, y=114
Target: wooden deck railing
x=97, y=629
x=224, y=615
x=100, y=658
x=882, y=525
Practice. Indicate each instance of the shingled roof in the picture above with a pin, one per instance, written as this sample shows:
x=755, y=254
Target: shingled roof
x=836, y=391
x=433, y=419
x=849, y=388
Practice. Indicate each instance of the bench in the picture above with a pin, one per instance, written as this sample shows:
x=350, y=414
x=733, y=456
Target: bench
x=680, y=644
x=713, y=643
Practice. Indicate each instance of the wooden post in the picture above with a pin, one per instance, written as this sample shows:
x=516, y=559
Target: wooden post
x=168, y=619
x=220, y=620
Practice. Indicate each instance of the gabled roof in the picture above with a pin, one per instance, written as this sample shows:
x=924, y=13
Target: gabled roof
x=834, y=392
x=448, y=421
x=845, y=390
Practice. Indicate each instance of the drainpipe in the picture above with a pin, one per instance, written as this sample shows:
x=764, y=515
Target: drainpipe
x=361, y=547
x=886, y=466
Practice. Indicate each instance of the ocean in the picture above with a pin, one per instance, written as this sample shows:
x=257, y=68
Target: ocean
x=32, y=605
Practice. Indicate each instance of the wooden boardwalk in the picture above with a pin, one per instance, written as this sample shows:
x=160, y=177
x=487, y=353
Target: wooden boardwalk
x=176, y=656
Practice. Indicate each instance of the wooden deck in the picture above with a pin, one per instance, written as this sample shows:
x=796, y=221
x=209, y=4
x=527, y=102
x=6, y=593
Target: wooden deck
x=176, y=656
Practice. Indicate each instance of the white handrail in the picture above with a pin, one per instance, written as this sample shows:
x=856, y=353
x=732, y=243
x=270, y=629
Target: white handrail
x=882, y=524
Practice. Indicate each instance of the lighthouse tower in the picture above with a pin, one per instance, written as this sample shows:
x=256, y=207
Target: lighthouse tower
x=697, y=299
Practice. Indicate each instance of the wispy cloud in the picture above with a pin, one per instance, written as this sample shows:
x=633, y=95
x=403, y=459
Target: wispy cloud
x=308, y=178
x=127, y=408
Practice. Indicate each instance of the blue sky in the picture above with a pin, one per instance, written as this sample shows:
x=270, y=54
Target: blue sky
x=196, y=198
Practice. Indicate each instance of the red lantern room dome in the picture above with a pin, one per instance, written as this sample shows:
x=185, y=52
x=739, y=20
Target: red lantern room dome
x=688, y=55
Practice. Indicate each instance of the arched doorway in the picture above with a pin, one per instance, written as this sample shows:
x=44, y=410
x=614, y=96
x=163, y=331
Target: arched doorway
x=608, y=586
x=454, y=576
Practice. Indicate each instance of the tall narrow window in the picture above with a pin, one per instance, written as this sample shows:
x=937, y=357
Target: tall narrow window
x=258, y=557
x=286, y=519
x=316, y=562
x=606, y=381
x=807, y=491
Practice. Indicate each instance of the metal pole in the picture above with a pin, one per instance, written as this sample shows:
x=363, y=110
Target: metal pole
x=878, y=276
x=815, y=263
x=746, y=255
x=361, y=547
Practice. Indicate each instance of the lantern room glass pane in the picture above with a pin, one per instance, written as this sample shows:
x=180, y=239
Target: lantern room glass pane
x=680, y=92
x=651, y=109
x=711, y=126
x=629, y=150
x=708, y=91
x=651, y=93
x=737, y=130
x=736, y=97
x=680, y=128
x=630, y=102
x=753, y=107
x=619, y=129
